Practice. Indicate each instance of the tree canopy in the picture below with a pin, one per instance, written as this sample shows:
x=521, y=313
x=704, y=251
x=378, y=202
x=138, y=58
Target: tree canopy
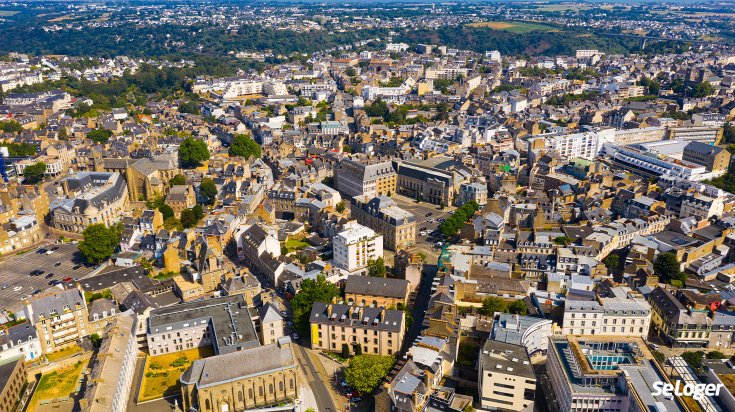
x=99, y=242
x=188, y=218
x=666, y=267
x=492, y=304
x=34, y=173
x=318, y=290
x=99, y=135
x=452, y=225
x=208, y=191
x=178, y=180
x=365, y=372
x=10, y=126
x=243, y=145
x=376, y=268
x=166, y=210
x=192, y=152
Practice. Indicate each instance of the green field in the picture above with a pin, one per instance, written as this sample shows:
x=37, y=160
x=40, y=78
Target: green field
x=515, y=26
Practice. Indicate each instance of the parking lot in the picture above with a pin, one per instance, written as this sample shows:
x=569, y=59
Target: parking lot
x=15, y=278
x=421, y=210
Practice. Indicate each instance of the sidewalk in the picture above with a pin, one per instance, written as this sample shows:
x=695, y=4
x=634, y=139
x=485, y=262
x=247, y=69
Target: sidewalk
x=328, y=370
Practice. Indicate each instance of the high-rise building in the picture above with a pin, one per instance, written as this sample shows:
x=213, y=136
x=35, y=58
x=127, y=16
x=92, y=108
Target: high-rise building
x=354, y=247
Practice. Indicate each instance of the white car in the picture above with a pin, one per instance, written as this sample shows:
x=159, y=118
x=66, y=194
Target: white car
x=17, y=288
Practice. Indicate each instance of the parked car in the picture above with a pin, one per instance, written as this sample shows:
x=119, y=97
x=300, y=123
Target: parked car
x=67, y=279
x=54, y=282
x=57, y=264
x=49, y=276
x=429, y=214
x=76, y=267
x=41, y=251
x=37, y=291
x=17, y=288
x=5, y=286
x=37, y=272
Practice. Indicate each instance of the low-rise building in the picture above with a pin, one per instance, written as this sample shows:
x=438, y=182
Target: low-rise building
x=92, y=197
x=363, y=329
x=383, y=215
x=376, y=292
x=618, y=312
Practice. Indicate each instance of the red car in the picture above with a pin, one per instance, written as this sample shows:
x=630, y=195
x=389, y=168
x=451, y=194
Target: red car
x=65, y=280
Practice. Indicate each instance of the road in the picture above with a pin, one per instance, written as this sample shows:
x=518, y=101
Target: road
x=314, y=374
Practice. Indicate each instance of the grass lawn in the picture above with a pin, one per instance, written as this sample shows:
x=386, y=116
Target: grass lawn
x=63, y=353
x=162, y=373
x=296, y=243
x=515, y=26
x=57, y=384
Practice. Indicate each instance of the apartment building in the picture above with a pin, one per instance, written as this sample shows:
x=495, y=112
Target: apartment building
x=355, y=246
x=223, y=323
x=12, y=381
x=376, y=292
x=610, y=374
x=586, y=145
x=354, y=177
x=505, y=377
x=60, y=318
x=363, y=329
x=683, y=319
x=269, y=324
x=618, y=312
x=20, y=340
x=92, y=197
x=383, y=215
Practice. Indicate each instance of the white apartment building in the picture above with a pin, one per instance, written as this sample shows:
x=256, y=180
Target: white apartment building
x=621, y=312
x=586, y=53
x=396, y=47
x=505, y=378
x=586, y=145
x=355, y=246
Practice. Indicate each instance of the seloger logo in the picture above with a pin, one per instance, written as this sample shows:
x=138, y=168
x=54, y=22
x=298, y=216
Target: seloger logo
x=696, y=390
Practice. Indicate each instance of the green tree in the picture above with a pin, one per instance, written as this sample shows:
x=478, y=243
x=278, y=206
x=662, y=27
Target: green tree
x=666, y=267
x=376, y=268
x=715, y=354
x=192, y=152
x=208, y=191
x=703, y=89
x=99, y=242
x=198, y=211
x=518, y=307
x=166, y=210
x=189, y=107
x=34, y=173
x=563, y=240
x=365, y=372
x=694, y=359
x=96, y=340
x=10, y=126
x=728, y=133
x=188, y=219
x=312, y=290
x=243, y=145
x=345, y=351
x=99, y=135
x=492, y=304
x=340, y=207
x=612, y=261
x=178, y=180
x=173, y=223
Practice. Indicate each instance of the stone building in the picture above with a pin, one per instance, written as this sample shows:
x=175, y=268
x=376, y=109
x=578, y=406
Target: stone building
x=383, y=215
x=235, y=382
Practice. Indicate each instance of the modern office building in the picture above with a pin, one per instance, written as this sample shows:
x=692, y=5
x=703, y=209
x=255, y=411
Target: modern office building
x=602, y=373
x=223, y=323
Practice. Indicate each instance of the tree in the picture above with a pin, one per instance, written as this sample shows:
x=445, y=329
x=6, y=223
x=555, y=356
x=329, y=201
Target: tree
x=99, y=135
x=563, y=240
x=365, y=372
x=728, y=133
x=188, y=219
x=345, y=350
x=208, y=191
x=178, y=180
x=612, y=261
x=99, y=242
x=10, y=126
x=172, y=223
x=312, y=290
x=166, y=210
x=694, y=359
x=376, y=268
x=452, y=225
x=34, y=173
x=96, y=340
x=490, y=305
x=666, y=267
x=715, y=354
x=518, y=307
x=189, y=107
x=192, y=152
x=340, y=207
x=198, y=211
x=243, y=145
x=703, y=89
